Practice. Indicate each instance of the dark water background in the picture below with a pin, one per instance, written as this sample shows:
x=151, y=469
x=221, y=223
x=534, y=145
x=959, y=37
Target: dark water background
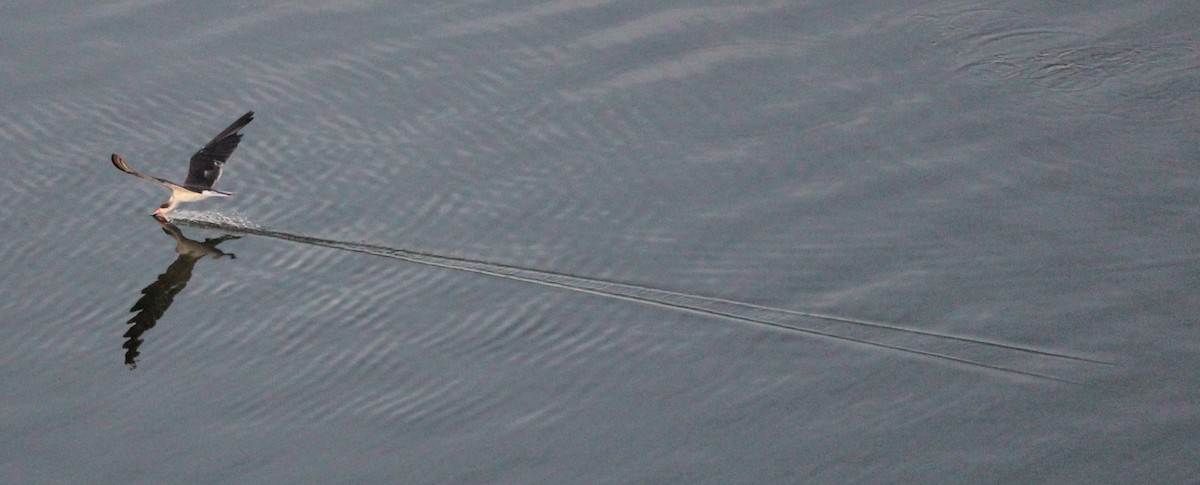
x=657, y=205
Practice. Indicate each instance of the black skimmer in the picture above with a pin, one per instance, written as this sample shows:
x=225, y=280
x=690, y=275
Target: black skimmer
x=203, y=172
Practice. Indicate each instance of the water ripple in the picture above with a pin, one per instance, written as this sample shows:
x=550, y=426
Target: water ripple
x=972, y=352
x=1144, y=80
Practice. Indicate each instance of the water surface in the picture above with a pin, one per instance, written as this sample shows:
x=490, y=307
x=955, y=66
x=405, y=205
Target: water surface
x=604, y=242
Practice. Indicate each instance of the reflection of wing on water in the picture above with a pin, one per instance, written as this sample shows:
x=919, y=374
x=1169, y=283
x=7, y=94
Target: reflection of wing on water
x=158, y=296
x=973, y=352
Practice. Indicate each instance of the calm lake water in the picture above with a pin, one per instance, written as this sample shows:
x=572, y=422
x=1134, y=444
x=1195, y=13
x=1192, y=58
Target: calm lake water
x=592, y=241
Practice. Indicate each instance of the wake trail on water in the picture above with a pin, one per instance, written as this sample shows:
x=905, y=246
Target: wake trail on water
x=972, y=352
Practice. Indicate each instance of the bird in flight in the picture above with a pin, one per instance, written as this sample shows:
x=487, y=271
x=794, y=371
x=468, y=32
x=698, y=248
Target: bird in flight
x=203, y=172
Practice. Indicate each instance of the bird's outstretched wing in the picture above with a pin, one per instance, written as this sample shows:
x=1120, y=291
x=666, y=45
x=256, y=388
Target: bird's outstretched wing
x=120, y=164
x=205, y=167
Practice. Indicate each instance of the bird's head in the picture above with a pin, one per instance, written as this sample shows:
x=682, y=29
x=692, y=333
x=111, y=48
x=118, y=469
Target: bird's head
x=161, y=212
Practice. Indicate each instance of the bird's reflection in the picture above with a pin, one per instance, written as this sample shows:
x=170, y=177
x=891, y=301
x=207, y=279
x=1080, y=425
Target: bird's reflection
x=157, y=297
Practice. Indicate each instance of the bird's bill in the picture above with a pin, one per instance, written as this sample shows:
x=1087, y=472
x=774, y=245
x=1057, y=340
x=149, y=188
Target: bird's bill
x=159, y=215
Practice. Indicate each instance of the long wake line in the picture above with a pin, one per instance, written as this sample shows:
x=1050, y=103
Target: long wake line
x=777, y=318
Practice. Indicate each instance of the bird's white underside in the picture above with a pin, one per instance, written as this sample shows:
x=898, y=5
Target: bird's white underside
x=184, y=195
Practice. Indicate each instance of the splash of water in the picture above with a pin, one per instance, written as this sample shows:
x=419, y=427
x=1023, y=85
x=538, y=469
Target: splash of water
x=232, y=221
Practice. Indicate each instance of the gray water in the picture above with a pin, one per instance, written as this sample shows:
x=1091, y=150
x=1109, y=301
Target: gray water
x=587, y=241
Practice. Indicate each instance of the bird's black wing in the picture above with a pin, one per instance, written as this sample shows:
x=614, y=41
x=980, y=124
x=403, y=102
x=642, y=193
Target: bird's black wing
x=122, y=166
x=205, y=167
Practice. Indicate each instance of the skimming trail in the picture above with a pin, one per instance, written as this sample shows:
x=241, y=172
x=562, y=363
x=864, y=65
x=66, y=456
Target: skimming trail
x=1009, y=358
x=203, y=172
